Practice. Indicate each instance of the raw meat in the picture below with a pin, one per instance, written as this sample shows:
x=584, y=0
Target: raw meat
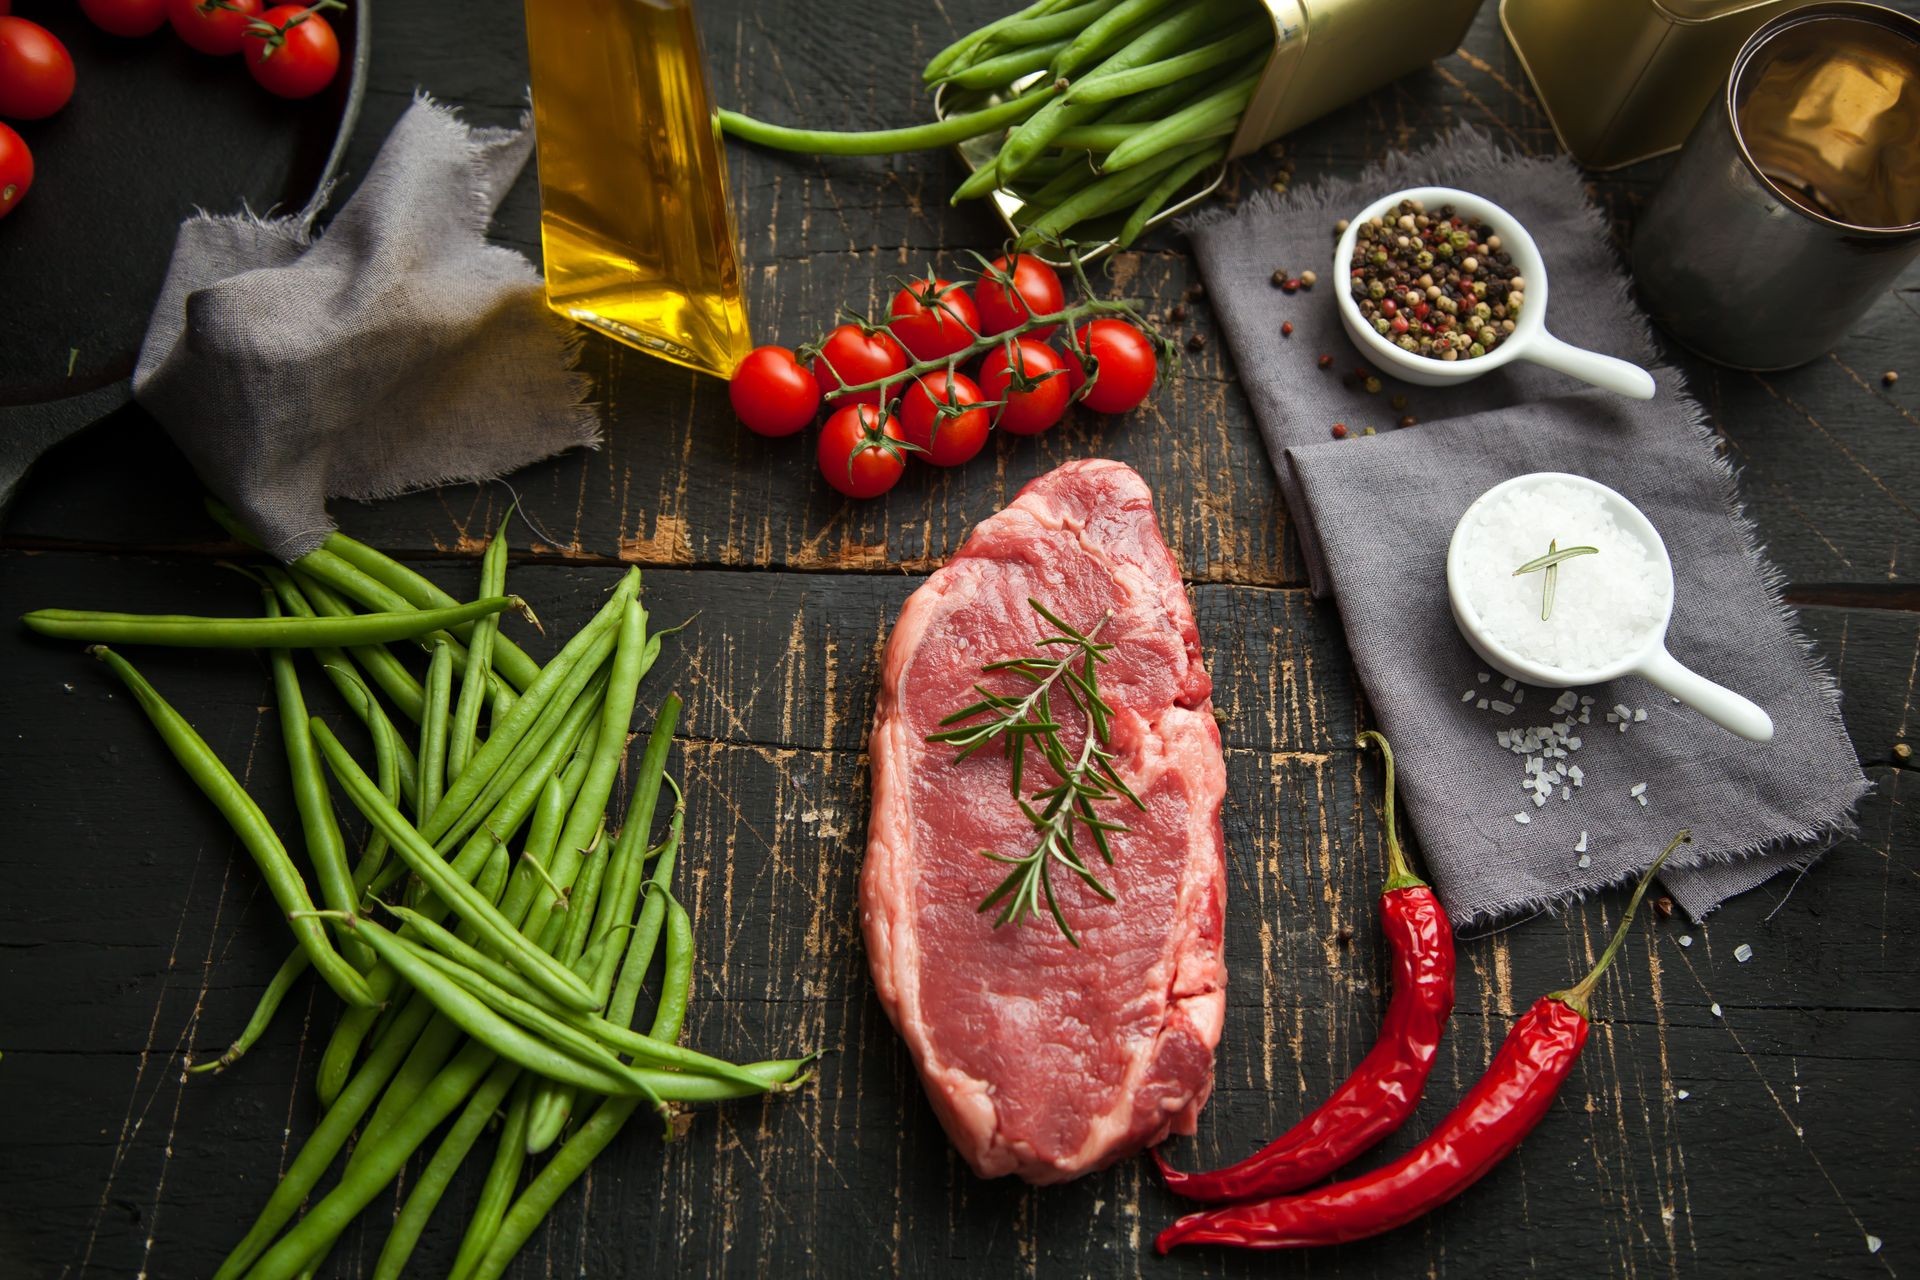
x=1044, y=1060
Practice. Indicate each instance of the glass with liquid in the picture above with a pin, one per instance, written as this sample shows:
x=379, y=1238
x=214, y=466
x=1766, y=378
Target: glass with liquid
x=635, y=220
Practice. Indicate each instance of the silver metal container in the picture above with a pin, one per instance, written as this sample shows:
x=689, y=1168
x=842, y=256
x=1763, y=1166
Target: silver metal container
x=1796, y=199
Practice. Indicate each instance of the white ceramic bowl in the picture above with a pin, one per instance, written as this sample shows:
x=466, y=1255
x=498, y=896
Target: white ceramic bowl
x=1529, y=339
x=1651, y=661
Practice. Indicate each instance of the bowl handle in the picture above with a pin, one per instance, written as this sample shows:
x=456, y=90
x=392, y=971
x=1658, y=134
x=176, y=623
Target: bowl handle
x=1716, y=702
x=1605, y=372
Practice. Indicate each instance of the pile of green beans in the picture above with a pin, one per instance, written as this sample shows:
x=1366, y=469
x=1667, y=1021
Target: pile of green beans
x=501, y=983
x=1107, y=109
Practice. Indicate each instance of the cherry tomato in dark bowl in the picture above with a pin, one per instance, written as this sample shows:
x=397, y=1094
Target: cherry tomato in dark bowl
x=1032, y=386
x=36, y=71
x=216, y=27
x=860, y=452
x=852, y=355
x=933, y=318
x=298, y=58
x=1124, y=365
x=938, y=416
x=1012, y=292
x=16, y=170
x=126, y=17
x=772, y=394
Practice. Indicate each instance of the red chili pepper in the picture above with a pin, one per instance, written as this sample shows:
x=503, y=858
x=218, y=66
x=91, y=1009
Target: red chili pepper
x=1384, y=1089
x=1512, y=1097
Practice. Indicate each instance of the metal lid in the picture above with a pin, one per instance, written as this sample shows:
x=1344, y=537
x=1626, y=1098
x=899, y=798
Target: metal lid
x=1705, y=10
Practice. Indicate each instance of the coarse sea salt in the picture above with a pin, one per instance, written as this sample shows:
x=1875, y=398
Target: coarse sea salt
x=1605, y=606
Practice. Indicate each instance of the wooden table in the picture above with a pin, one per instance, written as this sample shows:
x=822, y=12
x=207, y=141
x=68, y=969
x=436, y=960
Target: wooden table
x=1726, y=1117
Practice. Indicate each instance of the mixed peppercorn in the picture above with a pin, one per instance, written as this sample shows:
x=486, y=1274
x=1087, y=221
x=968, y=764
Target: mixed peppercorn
x=1435, y=284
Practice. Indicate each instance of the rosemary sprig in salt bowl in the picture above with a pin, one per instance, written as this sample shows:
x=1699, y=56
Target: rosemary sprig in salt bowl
x=1550, y=564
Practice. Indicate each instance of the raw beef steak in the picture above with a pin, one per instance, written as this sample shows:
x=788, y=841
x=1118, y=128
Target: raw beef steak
x=1042, y=1059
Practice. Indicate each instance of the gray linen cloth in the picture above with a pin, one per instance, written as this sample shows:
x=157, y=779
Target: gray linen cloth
x=398, y=350
x=1374, y=515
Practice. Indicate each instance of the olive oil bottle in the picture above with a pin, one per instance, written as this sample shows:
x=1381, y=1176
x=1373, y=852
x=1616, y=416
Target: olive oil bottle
x=635, y=220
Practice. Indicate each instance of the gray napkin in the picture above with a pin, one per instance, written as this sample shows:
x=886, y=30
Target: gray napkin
x=397, y=351
x=1374, y=515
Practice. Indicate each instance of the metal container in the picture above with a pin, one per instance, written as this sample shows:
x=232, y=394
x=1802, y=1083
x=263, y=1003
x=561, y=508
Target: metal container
x=1326, y=53
x=1624, y=80
x=1796, y=201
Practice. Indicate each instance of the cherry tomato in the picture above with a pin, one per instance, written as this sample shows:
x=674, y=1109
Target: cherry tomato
x=935, y=416
x=36, y=71
x=1125, y=365
x=772, y=393
x=860, y=452
x=1036, y=292
x=933, y=318
x=212, y=26
x=298, y=60
x=1030, y=411
x=126, y=17
x=16, y=170
x=856, y=357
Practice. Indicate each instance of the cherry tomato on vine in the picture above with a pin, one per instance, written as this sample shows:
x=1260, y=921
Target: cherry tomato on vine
x=298, y=60
x=126, y=17
x=1030, y=411
x=16, y=170
x=856, y=356
x=772, y=394
x=36, y=71
x=1035, y=291
x=933, y=318
x=860, y=451
x=214, y=27
x=935, y=415
x=1125, y=365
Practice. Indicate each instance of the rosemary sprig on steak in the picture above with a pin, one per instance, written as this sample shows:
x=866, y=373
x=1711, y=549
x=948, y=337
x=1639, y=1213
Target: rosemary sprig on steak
x=1081, y=780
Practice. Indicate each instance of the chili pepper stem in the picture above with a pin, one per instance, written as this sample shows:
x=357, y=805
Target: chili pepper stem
x=1577, y=996
x=1400, y=872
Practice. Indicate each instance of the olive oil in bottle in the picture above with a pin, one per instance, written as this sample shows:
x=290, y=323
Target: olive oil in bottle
x=635, y=219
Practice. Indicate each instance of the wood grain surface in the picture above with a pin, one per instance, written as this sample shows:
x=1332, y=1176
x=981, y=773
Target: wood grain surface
x=1727, y=1117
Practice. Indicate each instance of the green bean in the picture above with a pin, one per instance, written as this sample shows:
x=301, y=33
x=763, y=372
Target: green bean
x=531, y=1207
x=389, y=757
x=509, y=659
x=1106, y=137
x=590, y=806
x=1062, y=186
x=434, y=731
x=1163, y=190
x=633, y=968
x=1155, y=103
x=1115, y=191
x=473, y=685
x=321, y=833
x=376, y=660
x=576, y=1060
x=618, y=902
x=496, y=1193
x=876, y=142
x=432, y=1182
x=1004, y=68
x=668, y=1017
x=556, y=675
x=582, y=903
x=1055, y=25
x=326, y=1220
x=966, y=44
x=1105, y=33
x=283, y=979
x=343, y=1046
x=553, y=978
x=335, y=1127
x=425, y=1060
x=183, y=631
x=1119, y=84
x=1184, y=125
x=248, y=823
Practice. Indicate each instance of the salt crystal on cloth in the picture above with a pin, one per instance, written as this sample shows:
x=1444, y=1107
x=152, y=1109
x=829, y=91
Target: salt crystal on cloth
x=1374, y=515
x=395, y=351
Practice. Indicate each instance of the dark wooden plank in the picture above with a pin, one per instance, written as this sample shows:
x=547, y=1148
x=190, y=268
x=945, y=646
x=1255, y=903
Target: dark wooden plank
x=135, y=932
x=1824, y=450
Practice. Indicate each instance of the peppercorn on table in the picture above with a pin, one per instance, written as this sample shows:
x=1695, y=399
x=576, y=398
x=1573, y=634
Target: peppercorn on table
x=1746, y=1100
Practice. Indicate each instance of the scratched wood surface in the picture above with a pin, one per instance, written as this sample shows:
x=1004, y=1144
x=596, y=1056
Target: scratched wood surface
x=1778, y=1133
